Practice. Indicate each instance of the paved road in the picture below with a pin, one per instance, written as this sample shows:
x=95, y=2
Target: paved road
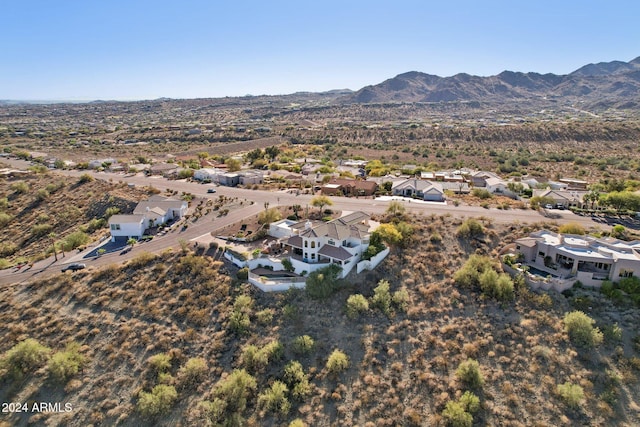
x=259, y=197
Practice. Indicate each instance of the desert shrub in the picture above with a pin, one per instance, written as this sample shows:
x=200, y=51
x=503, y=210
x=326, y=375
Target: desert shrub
x=470, y=402
x=193, y=371
x=400, y=299
x=75, y=240
x=40, y=230
x=470, y=228
x=581, y=331
x=435, y=237
x=230, y=398
x=469, y=373
x=303, y=344
x=469, y=275
x=42, y=195
x=382, y=297
x=481, y=193
x=5, y=219
x=337, y=362
x=85, y=177
x=157, y=402
x=20, y=187
x=297, y=380
x=160, y=362
x=275, y=398
x=269, y=215
x=8, y=249
x=243, y=273
x=454, y=415
x=499, y=286
x=4, y=202
x=4, y=263
x=323, y=282
x=256, y=359
x=240, y=319
x=65, y=364
x=572, y=394
x=24, y=357
x=288, y=266
x=297, y=423
x=571, y=228
x=356, y=304
x=265, y=316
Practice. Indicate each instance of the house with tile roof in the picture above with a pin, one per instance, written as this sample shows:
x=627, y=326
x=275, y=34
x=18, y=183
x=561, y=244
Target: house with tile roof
x=419, y=188
x=316, y=244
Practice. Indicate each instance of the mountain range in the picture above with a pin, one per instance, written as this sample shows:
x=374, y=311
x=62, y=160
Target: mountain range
x=613, y=84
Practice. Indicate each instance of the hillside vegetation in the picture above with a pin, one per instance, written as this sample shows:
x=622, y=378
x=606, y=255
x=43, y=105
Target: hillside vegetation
x=176, y=339
x=42, y=208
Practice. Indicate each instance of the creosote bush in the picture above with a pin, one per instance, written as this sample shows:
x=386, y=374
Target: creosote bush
x=323, y=282
x=581, y=331
x=459, y=413
x=193, y=371
x=470, y=228
x=24, y=357
x=65, y=364
x=297, y=380
x=274, y=398
x=479, y=272
x=240, y=319
x=303, y=344
x=469, y=373
x=159, y=401
x=338, y=362
x=356, y=305
x=230, y=398
x=572, y=394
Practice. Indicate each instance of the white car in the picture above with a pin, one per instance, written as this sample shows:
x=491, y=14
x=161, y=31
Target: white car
x=548, y=206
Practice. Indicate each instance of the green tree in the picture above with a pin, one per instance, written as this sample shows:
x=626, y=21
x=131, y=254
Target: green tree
x=269, y=215
x=320, y=202
x=233, y=165
x=389, y=234
x=381, y=297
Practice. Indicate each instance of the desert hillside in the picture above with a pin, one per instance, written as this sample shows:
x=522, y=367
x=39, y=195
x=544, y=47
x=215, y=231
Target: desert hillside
x=179, y=339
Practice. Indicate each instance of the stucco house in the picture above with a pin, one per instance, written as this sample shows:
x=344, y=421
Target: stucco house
x=413, y=187
x=565, y=198
x=151, y=213
x=342, y=241
x=587, y=259
x=349, y=187
x=127, y=226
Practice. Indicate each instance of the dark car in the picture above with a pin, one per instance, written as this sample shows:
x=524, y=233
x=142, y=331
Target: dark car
x=74, y=267
x=211, y=190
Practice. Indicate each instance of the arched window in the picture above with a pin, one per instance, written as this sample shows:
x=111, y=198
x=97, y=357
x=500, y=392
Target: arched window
x=313, y=243
x=306, y=244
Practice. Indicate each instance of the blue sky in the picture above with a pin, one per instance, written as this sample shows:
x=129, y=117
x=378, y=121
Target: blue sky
x=140, y=49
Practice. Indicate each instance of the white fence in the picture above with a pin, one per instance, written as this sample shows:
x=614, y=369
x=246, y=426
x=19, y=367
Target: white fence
x=372, y=263
x=276, y=284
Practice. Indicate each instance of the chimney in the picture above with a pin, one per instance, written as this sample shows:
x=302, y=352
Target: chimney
x=307, y=225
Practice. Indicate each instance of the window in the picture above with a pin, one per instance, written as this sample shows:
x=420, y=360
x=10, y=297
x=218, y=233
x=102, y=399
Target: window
x=541, y=254
x=115, y=226
x=626, y=273
x=313, y=256
x=313, y=243
x=331, y=242
x=306, y=244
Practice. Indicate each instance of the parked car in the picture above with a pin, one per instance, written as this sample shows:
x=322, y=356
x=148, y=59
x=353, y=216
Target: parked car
x=548, y=206
x=211, y=190
x=75, y=266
